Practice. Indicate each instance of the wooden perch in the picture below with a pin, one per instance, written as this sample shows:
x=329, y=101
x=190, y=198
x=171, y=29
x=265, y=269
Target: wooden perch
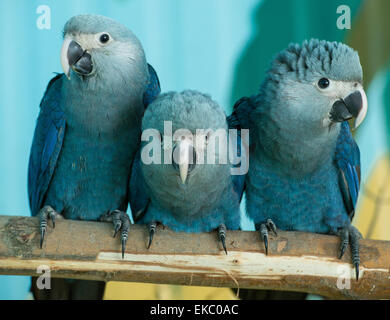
x=296, y=261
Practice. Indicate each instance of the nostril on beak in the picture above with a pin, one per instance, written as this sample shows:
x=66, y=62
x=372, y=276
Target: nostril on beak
x=356, y=84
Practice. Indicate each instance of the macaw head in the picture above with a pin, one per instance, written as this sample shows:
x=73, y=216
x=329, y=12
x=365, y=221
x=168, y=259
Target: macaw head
x=316, y=85
x=194, y=121
x=96, y=47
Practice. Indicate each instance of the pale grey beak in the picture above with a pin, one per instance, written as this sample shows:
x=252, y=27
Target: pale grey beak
x=184, y=158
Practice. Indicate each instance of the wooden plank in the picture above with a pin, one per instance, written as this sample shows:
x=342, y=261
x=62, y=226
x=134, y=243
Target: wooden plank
x=296, y=262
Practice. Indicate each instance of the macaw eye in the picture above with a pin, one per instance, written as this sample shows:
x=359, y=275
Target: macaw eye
x=323, y=83
x=104, y=38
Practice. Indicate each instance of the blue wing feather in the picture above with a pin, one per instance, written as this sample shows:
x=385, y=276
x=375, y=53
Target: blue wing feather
x=347, y=159
x=238, y=120
x=153, y=89
x=47, y=142
x=138, y=197
x=239, y=180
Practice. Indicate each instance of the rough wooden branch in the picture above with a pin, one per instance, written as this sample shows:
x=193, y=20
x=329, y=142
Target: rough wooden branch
x=296, y=261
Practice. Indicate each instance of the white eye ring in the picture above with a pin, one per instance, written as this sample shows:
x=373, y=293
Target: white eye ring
x=103, y=38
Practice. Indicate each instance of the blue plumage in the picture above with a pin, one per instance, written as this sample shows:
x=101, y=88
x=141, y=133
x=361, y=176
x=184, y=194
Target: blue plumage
x=48, y=139
x=347, y=158
x=207, y=197
x=153, y=89
x=88, y=131
x=313, y=201
x=304, y=163
x=47, y=143
x=238, y=180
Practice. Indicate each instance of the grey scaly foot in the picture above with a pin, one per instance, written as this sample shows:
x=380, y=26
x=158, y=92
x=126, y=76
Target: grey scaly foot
x=350, y=235
x=222, y=235
x=47, y=212
x=152, y=230
x=121, y=221
x=269, y=225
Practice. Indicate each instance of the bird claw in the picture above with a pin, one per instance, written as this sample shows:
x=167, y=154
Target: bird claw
x=121, y=221
x=344, y=235
x=47, y=212
x=222, y=236
x=117, y=225
x=152, y=230
x=269, y=225
x=350, y=235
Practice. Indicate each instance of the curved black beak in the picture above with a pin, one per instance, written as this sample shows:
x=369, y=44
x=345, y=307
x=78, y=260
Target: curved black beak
x=79, y=60
x=75, y=57
x=348, y=108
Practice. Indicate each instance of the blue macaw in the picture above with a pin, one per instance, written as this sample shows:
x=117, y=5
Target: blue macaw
x=189, y=194
x=304, y=169
x=89, y=125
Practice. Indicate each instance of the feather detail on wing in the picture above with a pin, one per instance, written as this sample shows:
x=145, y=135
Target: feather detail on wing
x=47, y=143
x=347, y=159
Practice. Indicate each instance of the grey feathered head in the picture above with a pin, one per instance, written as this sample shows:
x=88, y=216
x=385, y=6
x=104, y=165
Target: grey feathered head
x=189, y=109
x=195, y=119
x=315, y=58
x=97, y=47
x=318, y=82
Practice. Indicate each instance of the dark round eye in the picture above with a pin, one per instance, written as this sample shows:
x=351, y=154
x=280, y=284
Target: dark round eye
x=104, y=38
x=323, y=83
